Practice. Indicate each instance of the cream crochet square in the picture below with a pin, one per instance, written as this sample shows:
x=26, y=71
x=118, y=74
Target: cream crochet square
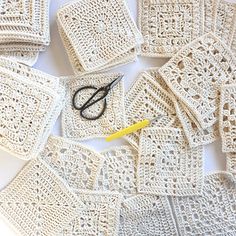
x=36, y=202
x=228, y=117
x=196, y=73
x=167, y=166
x=100, y=216
x=105, y=25
x=77, y=128
x=119, y=170
x=231, y=162
x=76, y=164
x=168, y=25
x=211, y=214
x=144, y=215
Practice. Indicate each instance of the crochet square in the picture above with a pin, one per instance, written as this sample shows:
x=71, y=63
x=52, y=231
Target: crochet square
x=168, y=25
x=167, y=166
x=213, y=213
x=118, y=172
x=77, y=165
x=208, y=64
x=105, y=25
x=228, y=117
x=147, y=215
x=100, y=216
x=77, y=128
x=36, y=202
x=146, y=99
x=231, y=162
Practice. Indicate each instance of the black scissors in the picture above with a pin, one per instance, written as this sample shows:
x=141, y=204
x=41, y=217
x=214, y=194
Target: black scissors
x=104, y=91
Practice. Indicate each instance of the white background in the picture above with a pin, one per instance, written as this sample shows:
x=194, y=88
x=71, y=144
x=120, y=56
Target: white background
x=54, y=61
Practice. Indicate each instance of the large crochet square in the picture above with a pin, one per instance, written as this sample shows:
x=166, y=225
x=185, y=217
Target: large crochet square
x=168, y=25
x=166, y=164
x=100, y=216
x=77, y=128
x=100, y=31
x=36, y=202
x=76, y=164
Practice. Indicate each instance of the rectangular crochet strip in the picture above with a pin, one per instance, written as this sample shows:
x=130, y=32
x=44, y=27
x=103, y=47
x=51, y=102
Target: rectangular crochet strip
x=166, y=164
x=36, y=202
x=100, y=216
x=213, y=213
x=147, y=215
x=231, y=162
x=209, y=9
x=118, y=172
x=228, y=118
x=168, y=25
x=77, y=128
x=76, y=164
x=208, y=63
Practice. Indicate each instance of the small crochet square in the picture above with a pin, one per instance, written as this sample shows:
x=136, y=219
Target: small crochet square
x=77, y=165
x=77, y=128
x=168, y=25
x=119, y=170
x=231, y=162
x=167, y=166
x=208, y=63
x=213, y=213
x=147, y=215
x=98, y=31
x=228, y=117
x=36, y=202
x=100, y=216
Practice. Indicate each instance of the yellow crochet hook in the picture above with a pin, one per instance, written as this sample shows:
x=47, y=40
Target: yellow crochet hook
x=131, y=129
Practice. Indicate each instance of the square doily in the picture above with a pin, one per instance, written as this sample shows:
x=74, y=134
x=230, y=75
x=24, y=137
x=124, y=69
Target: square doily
x=77, y=128
x=168, y=25
x=36, y=202
x=167, y=166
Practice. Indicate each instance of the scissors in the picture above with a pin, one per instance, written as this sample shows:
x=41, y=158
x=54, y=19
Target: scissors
x=104, y=91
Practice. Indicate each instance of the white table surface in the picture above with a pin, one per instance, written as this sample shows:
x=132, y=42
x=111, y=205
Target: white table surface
x=54, y=61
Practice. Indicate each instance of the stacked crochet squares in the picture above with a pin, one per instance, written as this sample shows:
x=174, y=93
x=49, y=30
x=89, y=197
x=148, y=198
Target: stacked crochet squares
x=24, y=29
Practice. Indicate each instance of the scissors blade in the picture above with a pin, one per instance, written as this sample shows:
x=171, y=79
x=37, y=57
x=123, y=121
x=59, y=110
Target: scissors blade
x=116, y=81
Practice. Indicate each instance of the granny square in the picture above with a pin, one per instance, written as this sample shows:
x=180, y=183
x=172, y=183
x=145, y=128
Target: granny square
x=168, y=25
x=167, y=166
x=36, y=202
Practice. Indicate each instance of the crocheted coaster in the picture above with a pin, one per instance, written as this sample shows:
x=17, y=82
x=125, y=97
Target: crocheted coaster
x=76, y=127
x=100, y=217
x=147, y=215
x=76, y=164
x=225, y=20
x=196, y=136
x=213, y=213
x=209, y=9
x=228, y=117
x=36, y=202
x=168, y=25
x=118, y=172
x=208, y=63
x=231, y=162
x=146, y=99
x=166, y=164
x=105, y=25
x=27, y=58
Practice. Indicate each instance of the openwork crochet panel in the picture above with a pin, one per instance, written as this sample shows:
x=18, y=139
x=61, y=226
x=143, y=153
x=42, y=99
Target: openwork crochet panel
x=77, y=128
x=118, y=172
x=213, y=213
x=99, y=31
x=168, y=25
x=228, y=118
x=208, y=64
x=231, y=162
x=100, y=216
x=77, y=165
x=147, y=215
x=166, y=164
x=36, y=202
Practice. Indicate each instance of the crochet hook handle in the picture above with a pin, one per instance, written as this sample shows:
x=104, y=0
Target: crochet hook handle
x=128, y=130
